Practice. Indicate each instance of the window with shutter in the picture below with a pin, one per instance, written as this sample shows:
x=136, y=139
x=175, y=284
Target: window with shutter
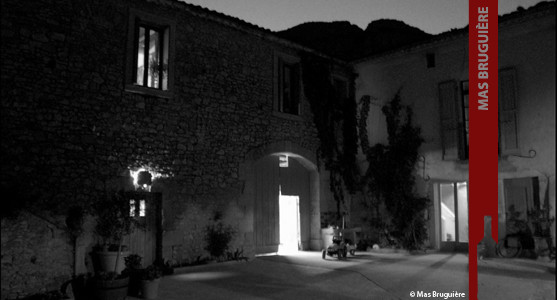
x=448, y=105
x=508, y=118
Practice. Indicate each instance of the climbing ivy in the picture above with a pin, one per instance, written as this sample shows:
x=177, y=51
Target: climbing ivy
x=390, y=178
x=335, y=119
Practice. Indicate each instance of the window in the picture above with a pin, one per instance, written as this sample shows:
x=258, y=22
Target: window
x=430, y=59
x=288, y=89
x=508, y=114
x=137, y=208
x=289, y=97
x=453, y=136
x=150, y=54
x=465, y=117
x=454, y=120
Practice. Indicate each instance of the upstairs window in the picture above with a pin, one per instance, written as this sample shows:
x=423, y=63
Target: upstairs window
x=464, y=121
x=287, y=85
x=454, y=120
x=430, y=60
x=508, y=113
x=289, y=88
x=150, y=54
x=151, y=57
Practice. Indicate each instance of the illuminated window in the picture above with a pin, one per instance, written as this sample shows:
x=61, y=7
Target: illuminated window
x=151, y=57
x=137, y=208
x=150, y=54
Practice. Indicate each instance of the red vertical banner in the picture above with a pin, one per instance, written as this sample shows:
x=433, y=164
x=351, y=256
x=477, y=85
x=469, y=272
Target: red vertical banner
x=483, y=144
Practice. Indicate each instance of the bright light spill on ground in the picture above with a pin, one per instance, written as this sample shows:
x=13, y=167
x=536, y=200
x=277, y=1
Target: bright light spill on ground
x=204, y=276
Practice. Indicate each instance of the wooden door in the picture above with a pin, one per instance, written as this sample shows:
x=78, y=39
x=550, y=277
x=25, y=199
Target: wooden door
x=267, y=230
x=146, y=238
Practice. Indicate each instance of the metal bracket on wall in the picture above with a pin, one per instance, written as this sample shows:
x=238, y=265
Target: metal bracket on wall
x=531, y=154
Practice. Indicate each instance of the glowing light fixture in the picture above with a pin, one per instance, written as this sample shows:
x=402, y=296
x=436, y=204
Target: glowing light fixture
x=143, y=178
x=283, y=161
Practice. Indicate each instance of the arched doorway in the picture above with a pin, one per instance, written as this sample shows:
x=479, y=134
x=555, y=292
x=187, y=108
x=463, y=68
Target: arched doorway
x=288, y=182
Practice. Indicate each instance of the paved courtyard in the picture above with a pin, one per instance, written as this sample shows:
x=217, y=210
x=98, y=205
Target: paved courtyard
x=305, y=275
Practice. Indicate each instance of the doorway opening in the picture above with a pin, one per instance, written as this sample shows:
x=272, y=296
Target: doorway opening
x=289, y=220
x=453, y=200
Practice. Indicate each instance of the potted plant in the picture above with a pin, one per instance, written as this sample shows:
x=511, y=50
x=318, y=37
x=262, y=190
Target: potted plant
x=113, y=223
x=541, y=222
x=150, y=282
x=134, y=270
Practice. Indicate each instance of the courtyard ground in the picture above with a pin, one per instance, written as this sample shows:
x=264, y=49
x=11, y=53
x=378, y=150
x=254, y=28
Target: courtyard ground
x=305, y=275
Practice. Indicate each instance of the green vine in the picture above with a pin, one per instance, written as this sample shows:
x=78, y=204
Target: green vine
x=335, y=119
x=390, y=178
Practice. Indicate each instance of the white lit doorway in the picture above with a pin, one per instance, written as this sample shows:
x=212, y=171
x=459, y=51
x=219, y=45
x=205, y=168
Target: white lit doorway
x=289, y=218
x=453, y=200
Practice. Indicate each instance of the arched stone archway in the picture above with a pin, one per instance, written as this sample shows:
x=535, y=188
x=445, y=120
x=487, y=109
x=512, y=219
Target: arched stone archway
x=262, y=177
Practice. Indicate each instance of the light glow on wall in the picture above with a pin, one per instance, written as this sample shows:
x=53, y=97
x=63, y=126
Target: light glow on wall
x=135, y=175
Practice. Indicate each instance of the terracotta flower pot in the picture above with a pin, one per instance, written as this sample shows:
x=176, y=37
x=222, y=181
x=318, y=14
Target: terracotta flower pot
x=150, y=288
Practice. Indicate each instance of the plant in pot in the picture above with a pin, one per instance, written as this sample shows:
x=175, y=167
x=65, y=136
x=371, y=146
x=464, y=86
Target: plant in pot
x=134, y=270
x=113, y=223
x=150, y=282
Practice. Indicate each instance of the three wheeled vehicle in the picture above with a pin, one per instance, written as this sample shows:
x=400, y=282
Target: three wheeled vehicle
x=338, y=248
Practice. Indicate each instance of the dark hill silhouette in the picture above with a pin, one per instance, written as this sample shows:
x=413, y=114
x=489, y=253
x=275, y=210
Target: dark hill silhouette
x=338, y=39
x=385, y=34
x=347, y=41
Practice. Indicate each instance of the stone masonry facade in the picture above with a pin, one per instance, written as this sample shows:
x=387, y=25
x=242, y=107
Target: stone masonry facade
x=72, y=129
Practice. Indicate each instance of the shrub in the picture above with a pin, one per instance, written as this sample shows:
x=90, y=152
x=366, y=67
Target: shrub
x=218, y=237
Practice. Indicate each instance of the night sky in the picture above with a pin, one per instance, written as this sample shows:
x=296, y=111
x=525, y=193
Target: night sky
x=431, y=16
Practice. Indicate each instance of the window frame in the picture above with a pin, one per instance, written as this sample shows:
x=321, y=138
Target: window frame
x=503, y=150
x=280, y=62
x=457, y=120
x=464, y=122
x=165, y=26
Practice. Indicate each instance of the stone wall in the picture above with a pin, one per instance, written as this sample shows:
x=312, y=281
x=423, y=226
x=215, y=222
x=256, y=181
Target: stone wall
x=71, y=130
x=34, y=251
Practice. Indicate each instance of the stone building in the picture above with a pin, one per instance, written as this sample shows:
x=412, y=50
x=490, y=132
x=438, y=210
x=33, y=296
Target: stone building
x=95, y=91
x=215, y=109
x=432, y=77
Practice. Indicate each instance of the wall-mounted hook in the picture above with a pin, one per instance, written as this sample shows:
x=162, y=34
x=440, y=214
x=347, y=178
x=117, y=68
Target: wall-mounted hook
x=531, y=154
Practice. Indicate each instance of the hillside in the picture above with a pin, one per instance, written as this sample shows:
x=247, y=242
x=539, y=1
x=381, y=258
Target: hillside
x=347, y=41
